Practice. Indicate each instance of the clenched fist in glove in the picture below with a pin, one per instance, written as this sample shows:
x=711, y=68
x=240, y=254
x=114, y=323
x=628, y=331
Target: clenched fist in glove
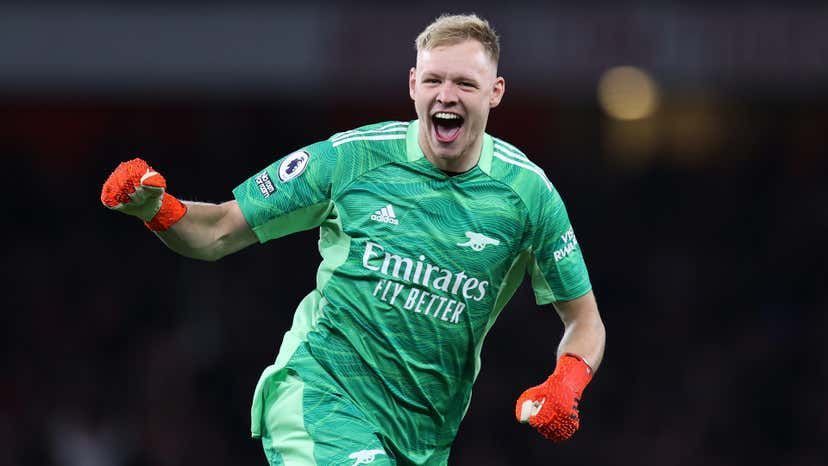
x=134, y=188
x=552, y=407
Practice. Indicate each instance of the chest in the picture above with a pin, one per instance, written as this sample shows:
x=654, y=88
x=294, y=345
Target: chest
x=468, y=224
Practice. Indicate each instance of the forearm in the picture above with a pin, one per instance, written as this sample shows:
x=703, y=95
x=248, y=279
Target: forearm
x=192, y=229
x=586, y=338
x=584, y=332
x=552, y=407
x=206, y=232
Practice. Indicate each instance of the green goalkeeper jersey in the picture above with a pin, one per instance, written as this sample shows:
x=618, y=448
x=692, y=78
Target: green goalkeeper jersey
x=416, y=266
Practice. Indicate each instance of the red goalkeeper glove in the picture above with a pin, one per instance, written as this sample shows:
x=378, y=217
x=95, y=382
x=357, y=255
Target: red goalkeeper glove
x=134, y=188
x=552, y=407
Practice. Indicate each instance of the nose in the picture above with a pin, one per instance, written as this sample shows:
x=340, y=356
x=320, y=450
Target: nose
x=447, y=94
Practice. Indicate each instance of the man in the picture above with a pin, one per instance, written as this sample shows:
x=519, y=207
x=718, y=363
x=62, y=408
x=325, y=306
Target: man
x=426, y=231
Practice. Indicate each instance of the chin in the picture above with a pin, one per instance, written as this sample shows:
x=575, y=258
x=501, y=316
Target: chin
x=447, y=154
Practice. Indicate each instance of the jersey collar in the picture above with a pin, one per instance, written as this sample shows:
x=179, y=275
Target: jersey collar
x=414, y=152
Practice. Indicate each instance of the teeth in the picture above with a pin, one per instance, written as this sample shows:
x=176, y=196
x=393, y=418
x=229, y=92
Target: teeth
x=447, y=116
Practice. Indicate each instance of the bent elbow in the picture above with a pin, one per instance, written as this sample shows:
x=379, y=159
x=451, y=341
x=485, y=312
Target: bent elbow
x=214, y=253
x=599, y=322
x=210, y=257
x=203, y=256
x=209, y=253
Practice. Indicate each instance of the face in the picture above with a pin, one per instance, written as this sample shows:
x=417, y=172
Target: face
x=453, y=88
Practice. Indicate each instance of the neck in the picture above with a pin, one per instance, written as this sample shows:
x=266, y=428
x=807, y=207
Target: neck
x=460, y=164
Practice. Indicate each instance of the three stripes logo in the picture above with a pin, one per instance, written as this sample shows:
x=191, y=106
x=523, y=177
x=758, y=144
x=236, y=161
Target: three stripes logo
x=388, y=132
x=386, y=215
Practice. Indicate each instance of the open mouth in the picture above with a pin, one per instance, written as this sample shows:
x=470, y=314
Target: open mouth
x=447, y=126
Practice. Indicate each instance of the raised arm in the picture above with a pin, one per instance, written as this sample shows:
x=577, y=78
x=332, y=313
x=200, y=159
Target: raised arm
x=192, y=229
x=209, y=231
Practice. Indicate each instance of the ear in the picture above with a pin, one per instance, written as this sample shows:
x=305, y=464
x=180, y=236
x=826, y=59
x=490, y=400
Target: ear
x=498, y=89
x=412, y=81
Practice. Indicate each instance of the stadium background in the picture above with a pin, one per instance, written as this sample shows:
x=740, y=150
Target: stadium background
x=703, y=222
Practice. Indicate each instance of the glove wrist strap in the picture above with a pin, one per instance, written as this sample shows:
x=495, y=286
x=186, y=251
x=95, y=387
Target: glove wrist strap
x=586, y=364
x=170, y=212
x=574, y=371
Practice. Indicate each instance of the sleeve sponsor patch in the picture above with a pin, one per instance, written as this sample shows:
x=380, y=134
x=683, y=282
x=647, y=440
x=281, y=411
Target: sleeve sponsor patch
x=293, y=165
x=265, y=185
x=568, y=244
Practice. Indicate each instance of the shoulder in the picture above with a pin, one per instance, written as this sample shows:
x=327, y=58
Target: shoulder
x=377, y=133
x=529, y=181
x=513, y=167
x=361, y=150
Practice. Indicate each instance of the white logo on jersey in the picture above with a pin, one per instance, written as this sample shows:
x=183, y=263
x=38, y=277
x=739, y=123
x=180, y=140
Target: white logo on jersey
x=570, y=243
x=265, y=185
x=365, y=456
x=386, y=215
x=478, y=241
x=420, y=272
x=293, y=165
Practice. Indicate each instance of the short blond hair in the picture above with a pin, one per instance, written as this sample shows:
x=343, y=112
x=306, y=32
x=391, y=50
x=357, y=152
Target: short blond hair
x=453, y=29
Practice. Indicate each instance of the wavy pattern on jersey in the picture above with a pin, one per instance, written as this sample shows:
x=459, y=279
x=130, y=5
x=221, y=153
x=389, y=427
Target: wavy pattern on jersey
x=410, y=365
x=562, y=279
x=511, y=155
x=423, y=363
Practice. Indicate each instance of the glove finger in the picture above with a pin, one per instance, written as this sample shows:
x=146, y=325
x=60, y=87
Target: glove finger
x=142, y=194
x=129, y=173
x=526, y=402
x=117, y=206
x=152, y=179
x=110, y=196
x=559, y=431
x=529, y=408
x=116, y=192
x=122, y=182
x=555, y=422
x=144, y=202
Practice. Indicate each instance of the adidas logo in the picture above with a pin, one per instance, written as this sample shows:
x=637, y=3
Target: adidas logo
x=386, y=215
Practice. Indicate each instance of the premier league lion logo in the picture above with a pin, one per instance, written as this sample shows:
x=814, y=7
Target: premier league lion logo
x=293, y=165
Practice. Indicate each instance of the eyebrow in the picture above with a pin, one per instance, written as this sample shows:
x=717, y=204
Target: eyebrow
x=430, y=74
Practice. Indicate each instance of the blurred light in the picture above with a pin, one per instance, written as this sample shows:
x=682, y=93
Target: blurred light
x=631, y=145
x=694, y=130
x=627, y=93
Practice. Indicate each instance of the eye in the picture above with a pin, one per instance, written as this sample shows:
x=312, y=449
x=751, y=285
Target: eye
x=467, y=84
x=431, y=80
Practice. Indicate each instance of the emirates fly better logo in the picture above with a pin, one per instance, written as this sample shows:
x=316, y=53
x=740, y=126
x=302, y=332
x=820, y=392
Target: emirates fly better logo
x=417, y=285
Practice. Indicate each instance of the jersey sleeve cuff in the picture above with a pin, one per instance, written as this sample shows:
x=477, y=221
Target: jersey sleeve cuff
x=548, y=297
x=238, y=194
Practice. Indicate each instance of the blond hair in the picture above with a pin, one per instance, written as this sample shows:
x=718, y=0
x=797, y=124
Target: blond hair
x=454, y=29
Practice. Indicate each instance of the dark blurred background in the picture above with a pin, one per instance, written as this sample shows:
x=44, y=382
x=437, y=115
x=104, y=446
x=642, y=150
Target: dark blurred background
x=688, y=140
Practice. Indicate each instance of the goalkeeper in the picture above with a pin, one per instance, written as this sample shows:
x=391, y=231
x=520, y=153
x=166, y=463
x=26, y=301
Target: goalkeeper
x=426, y=230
